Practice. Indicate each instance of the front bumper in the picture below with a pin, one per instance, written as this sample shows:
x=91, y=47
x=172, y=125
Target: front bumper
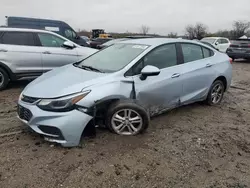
x=61, y=127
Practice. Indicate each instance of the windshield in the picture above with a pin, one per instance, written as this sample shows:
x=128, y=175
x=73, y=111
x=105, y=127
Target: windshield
x=113, y=58
x=209, y=40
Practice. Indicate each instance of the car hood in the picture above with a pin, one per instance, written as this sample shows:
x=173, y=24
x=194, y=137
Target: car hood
x=63, y=81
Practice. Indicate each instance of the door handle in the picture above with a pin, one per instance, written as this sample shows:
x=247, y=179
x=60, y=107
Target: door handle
x=175, y=75
x=46, y=52
x=208, y=65
x=3, y=50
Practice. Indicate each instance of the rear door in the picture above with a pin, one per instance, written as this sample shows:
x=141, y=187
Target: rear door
x=19, y=51
x=53, y=54
x=197, y=72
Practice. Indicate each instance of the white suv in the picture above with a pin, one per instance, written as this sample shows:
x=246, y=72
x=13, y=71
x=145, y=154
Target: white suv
x=220, y=43
x=28, y=53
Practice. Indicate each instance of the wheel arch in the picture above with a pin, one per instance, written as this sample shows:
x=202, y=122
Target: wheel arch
x=224, y=81
x=8, y=71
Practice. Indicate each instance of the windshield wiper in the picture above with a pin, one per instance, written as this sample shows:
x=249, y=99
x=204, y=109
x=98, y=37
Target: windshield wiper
x=90, y=68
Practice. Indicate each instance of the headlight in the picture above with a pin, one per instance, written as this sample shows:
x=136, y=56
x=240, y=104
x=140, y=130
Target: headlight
x=62, y=104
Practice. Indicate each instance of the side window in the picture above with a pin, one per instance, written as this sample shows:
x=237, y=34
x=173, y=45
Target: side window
x=48, y=40
x=207, y=52
x=191, y=52
x=18, y=38
x=70, y=34
x=161, y=57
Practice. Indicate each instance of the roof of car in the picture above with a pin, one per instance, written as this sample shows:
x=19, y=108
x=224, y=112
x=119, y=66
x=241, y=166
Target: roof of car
x=155, y=41
x=22, y=29
x=214, y=38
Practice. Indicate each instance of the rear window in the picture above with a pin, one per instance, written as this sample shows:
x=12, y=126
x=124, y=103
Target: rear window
x=18, y=38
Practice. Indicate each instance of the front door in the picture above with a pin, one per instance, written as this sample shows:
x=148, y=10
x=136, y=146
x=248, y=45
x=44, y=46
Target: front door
x=162, y=92
x=53, y=54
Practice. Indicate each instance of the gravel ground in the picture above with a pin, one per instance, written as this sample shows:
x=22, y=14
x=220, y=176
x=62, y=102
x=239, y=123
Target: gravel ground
x=192, y=146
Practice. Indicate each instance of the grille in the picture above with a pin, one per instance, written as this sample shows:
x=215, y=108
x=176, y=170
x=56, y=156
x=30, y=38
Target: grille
x=24, y=113
x=29, y=99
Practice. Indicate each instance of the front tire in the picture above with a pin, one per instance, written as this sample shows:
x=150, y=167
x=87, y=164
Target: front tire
x=127, y=118
x=4, y=79
x=216, y=93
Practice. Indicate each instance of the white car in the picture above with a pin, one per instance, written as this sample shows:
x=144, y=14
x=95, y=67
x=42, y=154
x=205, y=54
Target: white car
x=220, y=43
x=28, y=53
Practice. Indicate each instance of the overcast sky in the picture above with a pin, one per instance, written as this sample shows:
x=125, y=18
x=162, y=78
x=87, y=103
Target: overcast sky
x=162, y=16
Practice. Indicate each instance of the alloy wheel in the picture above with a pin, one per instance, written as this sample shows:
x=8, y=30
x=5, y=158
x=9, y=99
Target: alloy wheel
x=1, y=79
x=126, y=122
x=217, y=93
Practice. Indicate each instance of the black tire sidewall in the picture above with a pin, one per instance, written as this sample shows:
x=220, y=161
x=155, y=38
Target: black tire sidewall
x=209, y=97
x=127, y=105
x=6, y=79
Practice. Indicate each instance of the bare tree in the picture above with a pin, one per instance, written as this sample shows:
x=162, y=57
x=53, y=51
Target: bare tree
x=240, y=28
x=190, y=31
x=201, y=30
x=144, y=29
x=248, y=33
x=197, y=31
x=172, y=35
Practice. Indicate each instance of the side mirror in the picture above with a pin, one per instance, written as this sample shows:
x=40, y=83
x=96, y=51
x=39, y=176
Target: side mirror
x=149, y=70
x=216, y=43
x=68, y=44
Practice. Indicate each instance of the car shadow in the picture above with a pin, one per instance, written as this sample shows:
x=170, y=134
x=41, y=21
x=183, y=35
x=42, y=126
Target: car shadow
x=17, y=85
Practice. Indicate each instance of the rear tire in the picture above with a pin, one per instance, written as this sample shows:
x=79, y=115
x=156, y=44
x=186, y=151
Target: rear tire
x=127, y=118
x=4, y=79
x=216, y=93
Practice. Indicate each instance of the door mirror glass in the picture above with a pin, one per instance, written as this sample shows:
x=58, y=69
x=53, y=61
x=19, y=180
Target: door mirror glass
x=68, y=44
x=149, y=70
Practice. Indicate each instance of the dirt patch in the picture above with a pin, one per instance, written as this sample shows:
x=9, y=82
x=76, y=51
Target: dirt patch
x=193, y=146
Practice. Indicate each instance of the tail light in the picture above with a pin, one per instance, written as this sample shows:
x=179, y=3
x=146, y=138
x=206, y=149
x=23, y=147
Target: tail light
x=248, y=45
x=231, y=60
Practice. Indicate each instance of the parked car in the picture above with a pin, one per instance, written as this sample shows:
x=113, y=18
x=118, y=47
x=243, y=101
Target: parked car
x=56, y=26
x=239, y=49
x=122, y=86
x=28, y=53
x=98, y=41
x=87, y=39
x=220, y=43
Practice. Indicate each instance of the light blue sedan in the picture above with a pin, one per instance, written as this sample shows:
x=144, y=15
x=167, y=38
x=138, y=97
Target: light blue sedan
x=122, y=86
